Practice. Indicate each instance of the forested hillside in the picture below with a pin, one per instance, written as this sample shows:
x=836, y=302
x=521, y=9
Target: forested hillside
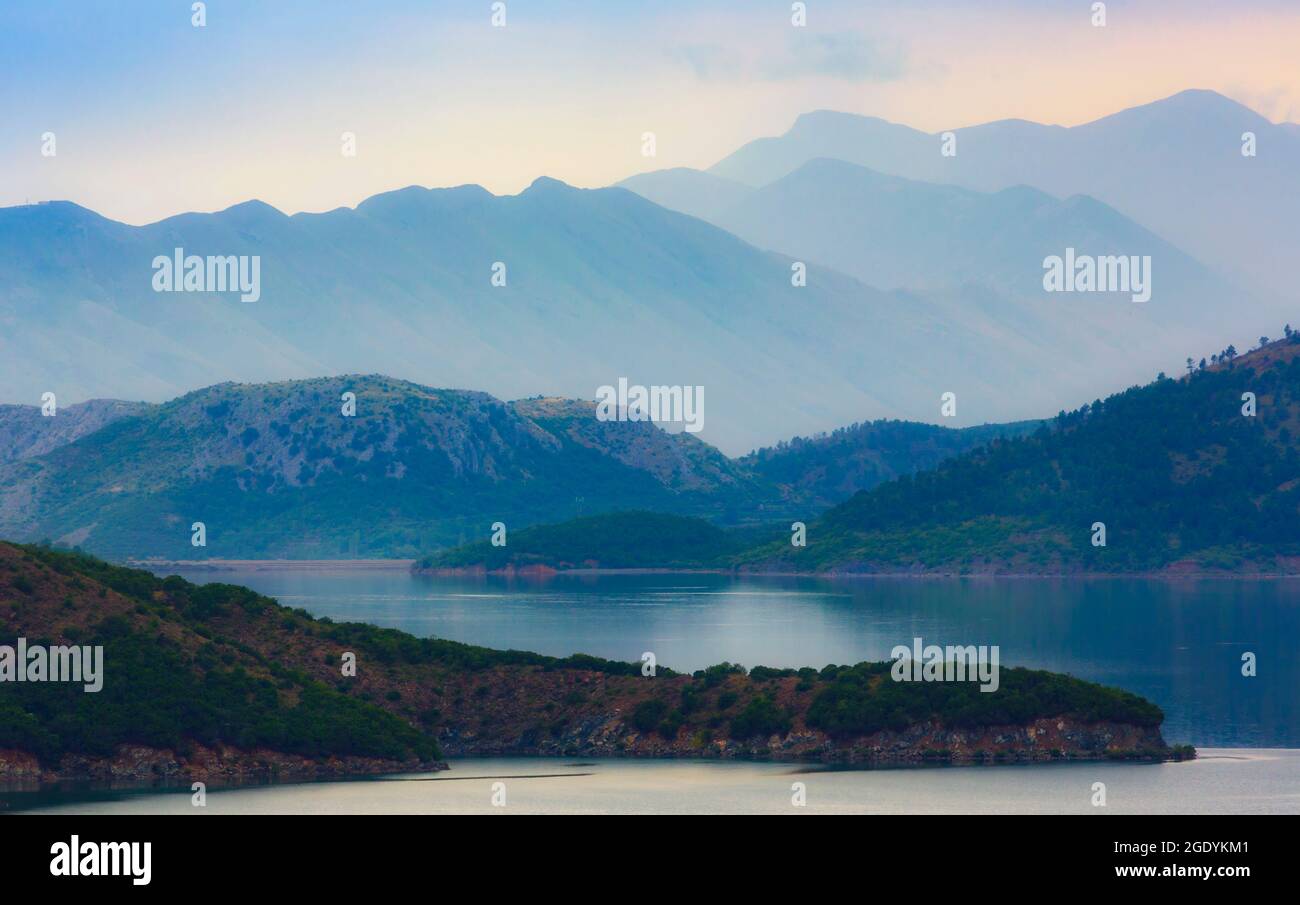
x=1179, y=472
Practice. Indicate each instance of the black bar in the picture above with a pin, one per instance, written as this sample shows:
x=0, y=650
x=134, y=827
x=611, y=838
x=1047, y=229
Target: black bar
x=224, y=854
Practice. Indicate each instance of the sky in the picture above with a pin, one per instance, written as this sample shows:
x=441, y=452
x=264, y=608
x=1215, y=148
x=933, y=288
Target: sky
x=153, y=116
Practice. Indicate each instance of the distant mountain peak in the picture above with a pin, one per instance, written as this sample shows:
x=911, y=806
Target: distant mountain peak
x=418, y=197
x=816, y=118
x=1200, y=95
x=548, y=184
x=1193, y=105
x=52, y=210
x=254, y=207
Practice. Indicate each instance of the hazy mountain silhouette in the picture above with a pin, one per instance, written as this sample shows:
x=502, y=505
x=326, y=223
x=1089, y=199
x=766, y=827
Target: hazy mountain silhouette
x=690, y=191
x=903, y=233
x=601, y=284
x=979, y=254
x=1174, y=165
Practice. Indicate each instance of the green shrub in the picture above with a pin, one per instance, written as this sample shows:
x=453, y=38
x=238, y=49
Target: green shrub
x=760, y=716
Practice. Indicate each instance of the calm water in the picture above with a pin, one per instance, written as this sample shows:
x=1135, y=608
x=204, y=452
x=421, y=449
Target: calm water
x=1177, y=643
x=1222, y=781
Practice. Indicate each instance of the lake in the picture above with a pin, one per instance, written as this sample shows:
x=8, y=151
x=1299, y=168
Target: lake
x=1220, y=781
x=1178, y=643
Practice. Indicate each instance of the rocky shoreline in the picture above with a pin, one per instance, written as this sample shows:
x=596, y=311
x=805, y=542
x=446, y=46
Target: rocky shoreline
x=928, y=744
x=272, y=565
x=1286, y=568
x=1042, y=741
x=138, y=765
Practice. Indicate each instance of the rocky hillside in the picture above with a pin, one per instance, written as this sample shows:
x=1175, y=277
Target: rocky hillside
x=682, y=463
x=221, y=683
x=279, y=470
x=25, y=432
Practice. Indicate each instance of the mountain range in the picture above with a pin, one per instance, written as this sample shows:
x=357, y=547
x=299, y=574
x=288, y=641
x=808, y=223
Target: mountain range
x=599, y=285
x=913, y=289
x=903, y=233
x=278, y=470
x=1195, y=475
x=1176, y=166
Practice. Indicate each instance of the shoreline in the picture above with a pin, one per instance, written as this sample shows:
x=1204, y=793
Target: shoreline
x=540, y=571
x=83, y=785
x=219, y=764
x=613, y=785
x=269, y=565
x=550, y=572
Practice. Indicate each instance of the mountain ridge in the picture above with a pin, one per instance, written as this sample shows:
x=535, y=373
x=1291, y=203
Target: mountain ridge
x=1198, y=475
x=593, y=285
x=279, y=470
x=1140, y=160
x=853, y=218
x=1194, y=476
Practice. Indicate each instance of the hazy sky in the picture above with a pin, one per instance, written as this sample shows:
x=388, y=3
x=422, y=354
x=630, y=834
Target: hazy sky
x=153, y=116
